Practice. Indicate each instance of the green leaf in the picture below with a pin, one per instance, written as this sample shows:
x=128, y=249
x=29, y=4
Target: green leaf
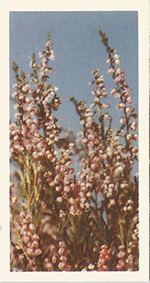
x=14, y=66
x=48, y=36
x=33, y=58
x=71, y=233
x=81, y=240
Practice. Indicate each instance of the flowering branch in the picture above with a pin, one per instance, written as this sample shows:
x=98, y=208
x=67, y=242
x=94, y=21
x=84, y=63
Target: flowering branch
x=62, y=221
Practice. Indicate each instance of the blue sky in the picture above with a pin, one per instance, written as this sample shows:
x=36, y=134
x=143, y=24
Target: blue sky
x=79, y=51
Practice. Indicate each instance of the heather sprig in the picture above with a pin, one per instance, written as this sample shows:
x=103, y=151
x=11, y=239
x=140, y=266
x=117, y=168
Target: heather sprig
x=62, y=220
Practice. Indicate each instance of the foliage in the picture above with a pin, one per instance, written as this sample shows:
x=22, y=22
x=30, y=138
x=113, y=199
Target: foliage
x=62, y=221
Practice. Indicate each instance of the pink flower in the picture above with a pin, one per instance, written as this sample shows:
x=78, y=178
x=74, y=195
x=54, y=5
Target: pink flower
x=62, y=214
x=40, y=55
x=119, y=70
x=121, y=254
x=113, y=91
x=61, y=244
x=135, y=149
x=135, y=137
x=100, y=80
x=129, y=260
x=91, y=137
x=129, y=109
x=54, y=259
x=121, y=105
x=120, y=264
x=116, y=56
x=117, y=61
x=110, y=70
x=104, y=94
x=133, y=126
x=112, y=202
x=117, y=79
x=49, y=266
x=123, y=186
x=117, y=95
x=61, y=265
x=61, y=251
x=26, y=88
x=59, y=199
x=26, y=239
x=52, y=57
x=96, y=100
x=30, y=252
x=123, y=120
x=105, y=105
x=118, y=170
x=35, y=237
x=91, y=266
x=84, y=141
x=129, y=99
x=32, y=227
x=35, y=244
x=108, y=60
x=63, y=259
x=29, y=218
x=15, y=94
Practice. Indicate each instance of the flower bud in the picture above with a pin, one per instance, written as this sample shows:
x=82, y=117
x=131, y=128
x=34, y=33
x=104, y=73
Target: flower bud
x=31, y=227
x=49, y=266
x=37, y=252
x=35, y=237
x=35, y=244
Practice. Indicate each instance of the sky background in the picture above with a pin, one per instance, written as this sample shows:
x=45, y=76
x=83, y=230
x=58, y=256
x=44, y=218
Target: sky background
x=79, y=51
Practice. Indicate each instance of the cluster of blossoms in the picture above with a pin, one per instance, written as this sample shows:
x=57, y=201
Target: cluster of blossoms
x=26, y=250
x=104, y=257
x=62, y=221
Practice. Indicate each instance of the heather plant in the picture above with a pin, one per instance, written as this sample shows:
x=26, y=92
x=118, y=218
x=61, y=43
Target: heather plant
x=61, y=220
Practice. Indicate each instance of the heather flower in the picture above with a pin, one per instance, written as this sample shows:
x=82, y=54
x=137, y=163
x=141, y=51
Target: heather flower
x=31, y=227
x=110, y=70
x=118, y=79
x=15, y=94
x=129, y=99
x=91, y=266
x=121, y=105
x=113, y=91
x=105, y=105
x=104, y=94
x=49, y=266
x=116, y=61
x=117, y=95
x=99, y=80
x=120, y=264
x=133, y=126
x=121, y=254
x=96, y=100
x=116, y=56
x=26, y=88
x=84, y=141
x=129, y=109
x=108, y=60
x=123, y=120
x=111, y=203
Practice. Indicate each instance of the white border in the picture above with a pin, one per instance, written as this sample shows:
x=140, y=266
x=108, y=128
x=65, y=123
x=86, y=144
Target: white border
x=60, y=5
